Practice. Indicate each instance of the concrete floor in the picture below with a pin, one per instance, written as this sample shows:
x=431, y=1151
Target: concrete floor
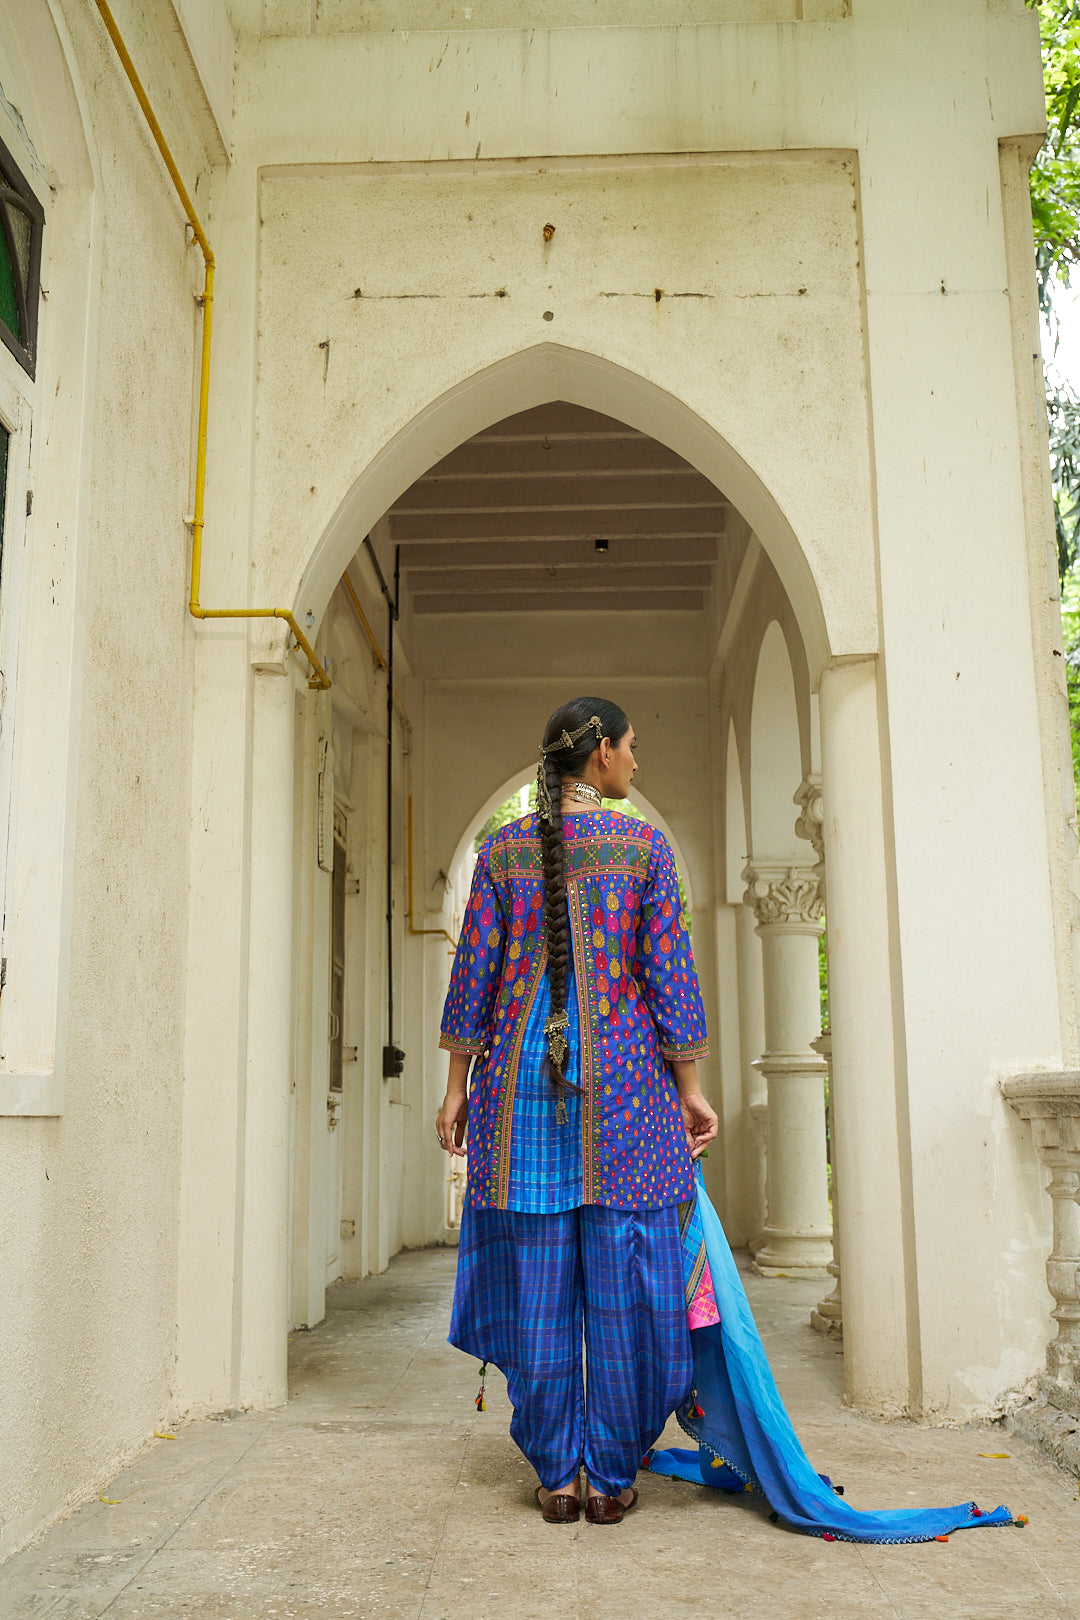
x=379, y=1492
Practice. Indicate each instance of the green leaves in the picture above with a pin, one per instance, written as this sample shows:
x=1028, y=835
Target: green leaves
x=1055, y=213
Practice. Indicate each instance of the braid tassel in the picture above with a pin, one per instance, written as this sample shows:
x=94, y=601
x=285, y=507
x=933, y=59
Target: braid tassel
x=481, y=1405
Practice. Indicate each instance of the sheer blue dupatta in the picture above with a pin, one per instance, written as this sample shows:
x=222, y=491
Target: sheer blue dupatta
x=745, y=1440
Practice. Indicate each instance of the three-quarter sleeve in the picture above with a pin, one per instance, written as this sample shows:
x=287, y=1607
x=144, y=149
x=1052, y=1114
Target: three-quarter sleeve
x=469, y=1014
x=665, y=961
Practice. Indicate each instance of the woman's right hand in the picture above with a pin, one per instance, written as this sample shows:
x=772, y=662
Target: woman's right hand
x=453, y=1116
x=450, y=1123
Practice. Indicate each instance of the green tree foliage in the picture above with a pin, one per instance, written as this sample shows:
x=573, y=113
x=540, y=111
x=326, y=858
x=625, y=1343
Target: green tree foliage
x=1055, y=210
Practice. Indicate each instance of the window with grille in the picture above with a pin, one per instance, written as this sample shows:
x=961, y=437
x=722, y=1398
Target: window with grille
x=21, y=222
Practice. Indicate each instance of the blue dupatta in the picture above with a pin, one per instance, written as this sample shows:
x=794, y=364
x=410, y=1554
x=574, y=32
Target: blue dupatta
x=745, y=1439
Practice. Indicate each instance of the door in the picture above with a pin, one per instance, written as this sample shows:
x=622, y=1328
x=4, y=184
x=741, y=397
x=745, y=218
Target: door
x=335, y=1032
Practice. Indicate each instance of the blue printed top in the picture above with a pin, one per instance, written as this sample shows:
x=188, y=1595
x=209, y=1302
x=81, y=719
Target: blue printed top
x=637, y=1002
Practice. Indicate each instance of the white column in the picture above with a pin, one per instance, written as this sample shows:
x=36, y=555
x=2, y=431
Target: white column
x=827, y=1315
x=787, y=903
x=263, y=1314
x=867, y=1093
x=215, y=1044
x=755, y=1091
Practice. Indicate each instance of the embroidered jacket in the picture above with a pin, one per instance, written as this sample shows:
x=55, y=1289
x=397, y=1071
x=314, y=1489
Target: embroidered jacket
x=639, y=1004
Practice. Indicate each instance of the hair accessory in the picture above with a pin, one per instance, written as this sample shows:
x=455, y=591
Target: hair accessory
x=565, y=739
x=543, y=797
x=554, y=1027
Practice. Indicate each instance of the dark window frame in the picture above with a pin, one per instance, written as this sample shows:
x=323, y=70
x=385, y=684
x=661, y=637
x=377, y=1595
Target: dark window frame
x=15, y=191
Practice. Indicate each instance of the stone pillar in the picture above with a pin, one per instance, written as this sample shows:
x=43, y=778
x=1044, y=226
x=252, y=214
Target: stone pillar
x=867, y=1079
x=1052, y=1104
x=828, y=1314
x=787, y=902
x=263, y=1305
x=751, y=1042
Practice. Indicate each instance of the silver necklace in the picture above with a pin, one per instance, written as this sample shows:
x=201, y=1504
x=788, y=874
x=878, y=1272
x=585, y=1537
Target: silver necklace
x=583, y=792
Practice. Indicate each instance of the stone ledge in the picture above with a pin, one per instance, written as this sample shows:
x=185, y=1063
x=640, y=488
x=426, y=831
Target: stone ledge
x=1052, y=1430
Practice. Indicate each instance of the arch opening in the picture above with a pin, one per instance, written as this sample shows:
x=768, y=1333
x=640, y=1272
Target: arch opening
x=538, y=376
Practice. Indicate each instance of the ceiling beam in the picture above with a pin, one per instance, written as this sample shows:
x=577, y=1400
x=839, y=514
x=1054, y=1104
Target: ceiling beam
x=578, y=601
x=694, y=576
x=568, y=457
x=556, y=524
x=516, y=493
x=632, y=550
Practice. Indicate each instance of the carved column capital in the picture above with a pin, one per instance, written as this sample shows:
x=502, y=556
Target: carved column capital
x=785, y=895
x=811, y=820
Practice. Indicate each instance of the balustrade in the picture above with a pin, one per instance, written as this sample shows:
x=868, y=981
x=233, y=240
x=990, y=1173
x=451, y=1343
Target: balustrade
x=1051, y=1103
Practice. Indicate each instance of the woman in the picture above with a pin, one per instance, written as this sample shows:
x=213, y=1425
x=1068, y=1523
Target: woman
x=585, y=1219
x=574, y=990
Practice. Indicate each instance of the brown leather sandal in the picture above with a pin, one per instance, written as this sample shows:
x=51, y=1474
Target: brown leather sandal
x=608, y=1509
x=560, y=1508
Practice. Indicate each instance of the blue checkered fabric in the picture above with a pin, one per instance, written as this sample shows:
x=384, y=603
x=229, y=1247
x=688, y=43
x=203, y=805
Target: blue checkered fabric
x=546, y=1173
x=533, y=1289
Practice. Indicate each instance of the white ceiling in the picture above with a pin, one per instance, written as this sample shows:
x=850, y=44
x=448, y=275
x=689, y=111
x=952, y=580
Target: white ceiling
x=509, y=521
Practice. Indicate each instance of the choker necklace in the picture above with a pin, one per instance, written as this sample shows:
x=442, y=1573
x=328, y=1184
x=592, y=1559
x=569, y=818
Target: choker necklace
x=583, y=792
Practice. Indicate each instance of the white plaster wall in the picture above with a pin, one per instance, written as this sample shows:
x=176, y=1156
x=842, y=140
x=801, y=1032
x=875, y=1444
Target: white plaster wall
x=428, y=277
x=349, y=16
x=88, y=1200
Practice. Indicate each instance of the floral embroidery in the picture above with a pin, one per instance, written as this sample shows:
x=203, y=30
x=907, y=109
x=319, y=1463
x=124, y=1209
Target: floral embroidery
x=638, y=997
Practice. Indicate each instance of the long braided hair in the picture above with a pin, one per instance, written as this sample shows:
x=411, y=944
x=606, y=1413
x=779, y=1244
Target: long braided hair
x=559, y=760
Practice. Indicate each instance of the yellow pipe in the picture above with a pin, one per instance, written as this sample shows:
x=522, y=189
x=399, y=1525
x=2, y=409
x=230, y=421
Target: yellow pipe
x=319, y=677
x=362, y=616
x=412, y=930
x=379, y=659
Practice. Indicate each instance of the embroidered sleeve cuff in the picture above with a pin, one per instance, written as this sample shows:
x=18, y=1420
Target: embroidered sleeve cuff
x=448, y=1043
x=685, y=1054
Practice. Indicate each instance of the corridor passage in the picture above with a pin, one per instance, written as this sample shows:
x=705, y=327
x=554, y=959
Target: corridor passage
x=379, y=1492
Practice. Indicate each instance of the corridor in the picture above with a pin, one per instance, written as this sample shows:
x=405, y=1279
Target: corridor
x=379, y=1492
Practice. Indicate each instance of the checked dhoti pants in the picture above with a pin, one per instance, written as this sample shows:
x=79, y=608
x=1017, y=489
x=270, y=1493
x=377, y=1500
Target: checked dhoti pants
x=533, y=1290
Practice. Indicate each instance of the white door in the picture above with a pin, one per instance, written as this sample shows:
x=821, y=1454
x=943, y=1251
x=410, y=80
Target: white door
x=335, y=1035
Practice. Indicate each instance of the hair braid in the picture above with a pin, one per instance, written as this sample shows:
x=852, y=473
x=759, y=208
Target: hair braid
x=561, y=762
x=556, y=915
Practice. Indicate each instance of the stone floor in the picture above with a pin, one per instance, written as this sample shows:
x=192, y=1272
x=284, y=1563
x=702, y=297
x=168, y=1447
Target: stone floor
x=379, y=1492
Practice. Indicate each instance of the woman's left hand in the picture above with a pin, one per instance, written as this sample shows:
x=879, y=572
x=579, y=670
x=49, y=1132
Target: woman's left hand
x=699, y=1122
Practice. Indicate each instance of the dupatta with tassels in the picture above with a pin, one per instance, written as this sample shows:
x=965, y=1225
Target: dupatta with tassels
x=745, y=1439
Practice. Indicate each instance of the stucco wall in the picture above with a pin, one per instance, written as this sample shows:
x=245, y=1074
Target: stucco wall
x=88, y=1200
x=351, y=16
x=427, y=278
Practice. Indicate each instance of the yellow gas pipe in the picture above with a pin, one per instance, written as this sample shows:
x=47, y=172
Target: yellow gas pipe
x=319, y=677
x=412, y=930
x=380, y=661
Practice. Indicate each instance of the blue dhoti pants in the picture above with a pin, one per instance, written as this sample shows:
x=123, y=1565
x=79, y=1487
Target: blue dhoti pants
x=531, y=1289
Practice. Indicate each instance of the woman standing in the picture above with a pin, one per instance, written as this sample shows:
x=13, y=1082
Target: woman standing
x=574, y=991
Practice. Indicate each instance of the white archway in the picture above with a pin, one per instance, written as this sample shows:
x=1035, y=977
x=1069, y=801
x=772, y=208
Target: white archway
x=775, y=753
x=537, y=376
x=522, y=778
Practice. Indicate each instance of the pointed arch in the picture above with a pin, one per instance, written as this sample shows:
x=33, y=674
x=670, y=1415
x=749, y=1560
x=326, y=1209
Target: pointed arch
x=775, y=752
x=536, y=376
x=736, y=846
